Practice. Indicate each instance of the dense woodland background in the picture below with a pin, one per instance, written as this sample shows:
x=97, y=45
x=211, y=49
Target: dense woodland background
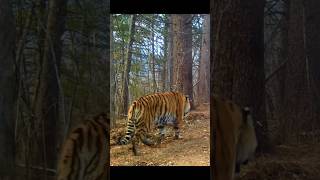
x=54, y=71
x=266, y=57
x=53, y=74
x=265, y=54
x=157, y=53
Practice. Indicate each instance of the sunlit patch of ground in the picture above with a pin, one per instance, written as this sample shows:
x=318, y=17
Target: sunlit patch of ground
x=192, y=150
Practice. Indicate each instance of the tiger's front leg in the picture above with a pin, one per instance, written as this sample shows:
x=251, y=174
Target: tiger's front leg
x=161, y=134
x=177, y=134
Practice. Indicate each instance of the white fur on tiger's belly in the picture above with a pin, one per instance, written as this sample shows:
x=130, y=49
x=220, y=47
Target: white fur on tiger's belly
x=165, y=120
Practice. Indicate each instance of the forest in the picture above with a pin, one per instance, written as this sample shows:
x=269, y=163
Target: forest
x=54, y=73
x=159, y=53
x=265, y=54
x=63, y=62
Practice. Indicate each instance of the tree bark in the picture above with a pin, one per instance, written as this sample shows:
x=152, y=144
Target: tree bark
x=238, y=60
x=312, y=25
x=113, y=72
x=182, y=54
x=177, y=81
x=187, y=56
x=8, y=91
x=125, y=85
x=47, y=105
x=170, y=54
x=164, y=72
x=204, y=69
x=153, y=61
x=297, y=96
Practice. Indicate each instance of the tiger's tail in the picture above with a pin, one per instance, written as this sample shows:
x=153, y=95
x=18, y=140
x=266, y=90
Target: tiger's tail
x=131, y=128
x=129, y=134
x=133, y=118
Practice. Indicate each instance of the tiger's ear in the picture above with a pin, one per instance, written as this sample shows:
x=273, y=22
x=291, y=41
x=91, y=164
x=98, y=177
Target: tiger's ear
x=188, y=98
x=245, y=113
x=247, y=109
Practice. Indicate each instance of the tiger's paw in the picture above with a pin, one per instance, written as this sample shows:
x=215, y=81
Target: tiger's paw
x=157, y=141
x=159, y=138
x=162, y=137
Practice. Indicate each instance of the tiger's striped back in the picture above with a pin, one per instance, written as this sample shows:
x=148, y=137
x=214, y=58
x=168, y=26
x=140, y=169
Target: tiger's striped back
x=155, y=109
x=85, y=152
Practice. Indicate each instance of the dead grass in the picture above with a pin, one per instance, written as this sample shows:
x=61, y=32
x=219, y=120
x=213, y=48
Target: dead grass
x=192, y=150
x=287, y=162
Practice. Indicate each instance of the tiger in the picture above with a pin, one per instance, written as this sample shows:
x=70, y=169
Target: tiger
x=235, y=140
x=154, y=110
x=85, y=152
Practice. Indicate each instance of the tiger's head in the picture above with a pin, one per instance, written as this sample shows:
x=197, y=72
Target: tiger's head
x=247, y=142
x=235, y=141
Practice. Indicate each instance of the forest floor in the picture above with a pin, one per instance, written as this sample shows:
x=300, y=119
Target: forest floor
x=192, y=150
x=294, y=162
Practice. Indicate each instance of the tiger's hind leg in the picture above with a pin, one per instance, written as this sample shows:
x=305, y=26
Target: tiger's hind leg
x=161, y=135
x=135, y=143
x=145, y=138
x=177, y=126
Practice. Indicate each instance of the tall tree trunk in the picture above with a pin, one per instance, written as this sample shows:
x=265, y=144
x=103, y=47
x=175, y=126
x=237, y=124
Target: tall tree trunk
x=238, y=60
x=164, y=65
x=187, y=56
x=41, y=21
x=164, y=72
x=170, y=53
x=121, y=68
x=204, y=69
x=113, y=71
x=178, y=47
x=153, y=71
x=8, y=91
x=296, y=97
x=125, y=85
x=312, y=25
x=182, y=53
x=47, y=106
x=282, y=72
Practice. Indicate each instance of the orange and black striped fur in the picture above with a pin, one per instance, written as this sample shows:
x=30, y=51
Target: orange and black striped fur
x=153, y=110
x=85, y=152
